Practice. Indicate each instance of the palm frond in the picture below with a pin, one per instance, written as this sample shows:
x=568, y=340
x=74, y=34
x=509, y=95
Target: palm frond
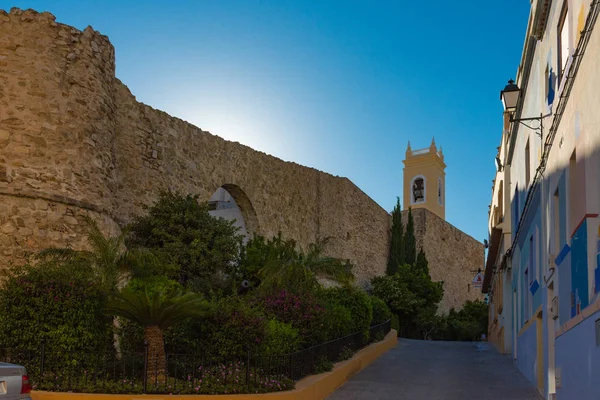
x=157, y=310
x=62, y=255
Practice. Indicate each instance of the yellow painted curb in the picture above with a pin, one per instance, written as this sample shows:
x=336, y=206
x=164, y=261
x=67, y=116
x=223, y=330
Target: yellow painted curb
x=315, y=387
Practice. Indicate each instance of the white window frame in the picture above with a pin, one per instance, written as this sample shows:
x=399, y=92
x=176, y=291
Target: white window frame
x=564, y=22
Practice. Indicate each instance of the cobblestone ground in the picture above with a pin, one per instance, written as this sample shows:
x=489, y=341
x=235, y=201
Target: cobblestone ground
x=439, y=370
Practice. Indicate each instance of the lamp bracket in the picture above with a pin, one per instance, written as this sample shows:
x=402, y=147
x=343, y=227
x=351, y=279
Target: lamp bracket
x=538, y=129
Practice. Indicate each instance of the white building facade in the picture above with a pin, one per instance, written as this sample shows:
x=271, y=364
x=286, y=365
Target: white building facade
x=544, y=269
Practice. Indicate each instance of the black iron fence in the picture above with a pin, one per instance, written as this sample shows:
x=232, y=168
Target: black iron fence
x=112, y=372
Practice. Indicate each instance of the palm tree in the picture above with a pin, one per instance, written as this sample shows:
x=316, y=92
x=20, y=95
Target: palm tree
x=327, y=267
x=107, y=257
x=305, y=269
x=156, y=313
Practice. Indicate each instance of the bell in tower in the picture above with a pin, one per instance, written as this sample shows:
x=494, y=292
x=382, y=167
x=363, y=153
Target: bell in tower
x=424, y=179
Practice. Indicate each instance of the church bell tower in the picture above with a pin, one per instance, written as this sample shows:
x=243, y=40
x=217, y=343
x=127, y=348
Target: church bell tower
x=425, y=179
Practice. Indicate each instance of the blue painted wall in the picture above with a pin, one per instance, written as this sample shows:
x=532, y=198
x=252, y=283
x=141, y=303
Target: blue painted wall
x=579, y=360
x=564, y=289
x=579, y=270
x=562, y=208
x=527, y=352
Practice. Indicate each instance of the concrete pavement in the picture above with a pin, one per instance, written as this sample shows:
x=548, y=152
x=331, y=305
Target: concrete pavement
x=439, y=371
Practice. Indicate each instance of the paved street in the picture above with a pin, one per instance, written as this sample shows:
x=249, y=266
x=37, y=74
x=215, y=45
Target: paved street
x=439, y=370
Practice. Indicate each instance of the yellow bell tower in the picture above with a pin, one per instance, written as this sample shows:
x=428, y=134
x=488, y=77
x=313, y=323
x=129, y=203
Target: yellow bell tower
x=425, y=179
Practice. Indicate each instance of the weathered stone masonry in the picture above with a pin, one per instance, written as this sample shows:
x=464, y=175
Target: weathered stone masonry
x=74, y=140
x=453, y=257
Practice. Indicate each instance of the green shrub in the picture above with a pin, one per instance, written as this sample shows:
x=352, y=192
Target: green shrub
x=381, y=312
x=153, y=284
x=234, y=327
x=346, y=354
x=337, y=321
x=280, y=338
x=395, y=323
x=60, y=304
x=323, y=365
x=356, y=301
x=379, y=336
x=193, y=247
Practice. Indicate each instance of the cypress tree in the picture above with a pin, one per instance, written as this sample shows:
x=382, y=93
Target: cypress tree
x=410, y=242
x=396, y=253
x=422, y=264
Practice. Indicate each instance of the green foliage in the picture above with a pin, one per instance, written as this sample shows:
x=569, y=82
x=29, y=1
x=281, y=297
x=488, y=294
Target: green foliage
x=410, y=242
x=260, y=252
x=154, y=284
x=467, y=324
x=379, y=336
x=304, y=312
x=422, y=264
x=158, y=309
x=108, y=259
x=230, y=330
x=337, y=321
x=323, y=365
x=396, y=255
x=193, y=247
x=381, y=311
x=280, y=338
x=395, y=323
x=357, y=301
x=284, y=267
x=346, y=354
x=210, y=382
x=409, y=293
x=61, y=304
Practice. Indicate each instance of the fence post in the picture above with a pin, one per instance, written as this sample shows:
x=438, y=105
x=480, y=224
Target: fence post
x=145, y=378
x=248, y=368
x=43, y=357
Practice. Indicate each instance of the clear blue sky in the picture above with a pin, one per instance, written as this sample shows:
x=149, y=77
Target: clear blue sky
x=341, y=86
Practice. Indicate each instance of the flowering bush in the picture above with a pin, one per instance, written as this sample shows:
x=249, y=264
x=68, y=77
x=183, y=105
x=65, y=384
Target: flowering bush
x=60, y=304
x=304, y=313
x=230, y=378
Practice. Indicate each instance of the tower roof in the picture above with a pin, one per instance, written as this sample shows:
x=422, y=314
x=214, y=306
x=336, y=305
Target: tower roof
x=431, y=152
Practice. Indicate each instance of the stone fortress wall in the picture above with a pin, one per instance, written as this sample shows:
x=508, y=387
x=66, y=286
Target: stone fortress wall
x=74, y=141
x=453, y=257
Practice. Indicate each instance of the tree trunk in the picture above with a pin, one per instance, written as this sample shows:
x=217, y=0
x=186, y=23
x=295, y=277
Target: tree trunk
x=157, y=361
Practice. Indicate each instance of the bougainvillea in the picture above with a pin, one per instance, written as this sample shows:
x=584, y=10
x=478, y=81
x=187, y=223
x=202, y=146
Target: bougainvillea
x=62, y=305
x=303, y=312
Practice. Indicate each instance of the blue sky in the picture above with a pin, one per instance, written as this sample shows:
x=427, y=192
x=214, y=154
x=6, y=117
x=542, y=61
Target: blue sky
x=340, y=86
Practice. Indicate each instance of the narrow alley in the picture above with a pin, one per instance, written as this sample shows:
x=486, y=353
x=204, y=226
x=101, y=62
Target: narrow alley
x=439, y=370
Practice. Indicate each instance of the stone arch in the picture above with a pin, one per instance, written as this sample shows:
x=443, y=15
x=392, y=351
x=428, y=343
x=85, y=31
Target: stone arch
x=245, y=206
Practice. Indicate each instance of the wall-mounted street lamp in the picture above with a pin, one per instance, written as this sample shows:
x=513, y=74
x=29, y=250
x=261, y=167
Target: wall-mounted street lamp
x=510, y=98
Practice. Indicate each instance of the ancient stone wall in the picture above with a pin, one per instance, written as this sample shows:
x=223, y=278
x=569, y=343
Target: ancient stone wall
x=453, y=257
x=74, y=140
